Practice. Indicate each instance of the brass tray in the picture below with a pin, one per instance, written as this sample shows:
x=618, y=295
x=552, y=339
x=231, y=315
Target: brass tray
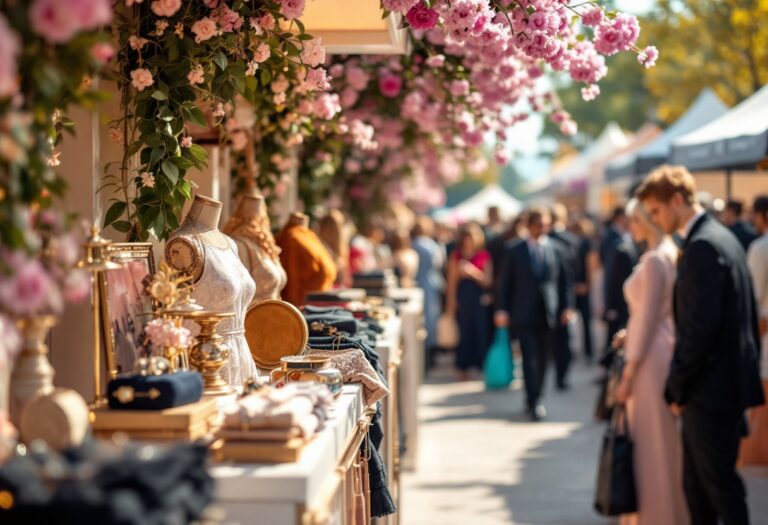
x=275, y=329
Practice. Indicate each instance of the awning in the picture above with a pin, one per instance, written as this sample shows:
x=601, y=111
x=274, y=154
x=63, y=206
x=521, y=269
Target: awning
x=738, y=139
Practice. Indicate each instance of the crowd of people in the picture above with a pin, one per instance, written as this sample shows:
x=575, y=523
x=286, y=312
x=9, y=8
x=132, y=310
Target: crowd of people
x=681, y=288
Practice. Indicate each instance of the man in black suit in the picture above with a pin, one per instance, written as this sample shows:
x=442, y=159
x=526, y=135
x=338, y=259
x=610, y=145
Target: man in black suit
x=743, y=231
x=533, y=298
x=618, y=256
x=569, y=249
x=714, y=375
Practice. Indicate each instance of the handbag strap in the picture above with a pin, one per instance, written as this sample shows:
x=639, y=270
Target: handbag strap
x=620, y=417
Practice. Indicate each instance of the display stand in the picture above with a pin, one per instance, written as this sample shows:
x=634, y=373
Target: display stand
x=411, y=302
x=311, y=491
x=390, y=351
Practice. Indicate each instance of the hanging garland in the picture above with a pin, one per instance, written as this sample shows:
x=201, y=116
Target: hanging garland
x=49, y=52
x=182, y=65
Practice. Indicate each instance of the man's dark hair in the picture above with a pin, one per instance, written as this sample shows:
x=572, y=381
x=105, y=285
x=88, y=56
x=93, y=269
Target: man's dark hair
x=617, y=213
x=760, y=206
x=737, y=207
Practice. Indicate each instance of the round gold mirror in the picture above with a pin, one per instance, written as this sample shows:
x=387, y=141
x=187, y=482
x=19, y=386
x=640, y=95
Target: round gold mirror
x=275, y=329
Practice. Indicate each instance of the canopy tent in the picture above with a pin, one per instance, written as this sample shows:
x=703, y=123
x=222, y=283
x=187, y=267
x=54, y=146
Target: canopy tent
x=576, y=174
x=706, y=108
x=475, y=208
x=738, y=139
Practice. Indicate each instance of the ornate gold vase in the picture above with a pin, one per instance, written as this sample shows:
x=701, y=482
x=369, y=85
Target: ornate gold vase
x=209, y=352
x=32, y=373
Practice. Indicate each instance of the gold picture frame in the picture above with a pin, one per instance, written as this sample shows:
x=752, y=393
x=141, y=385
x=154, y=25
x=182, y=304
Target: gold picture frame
x=125, y=306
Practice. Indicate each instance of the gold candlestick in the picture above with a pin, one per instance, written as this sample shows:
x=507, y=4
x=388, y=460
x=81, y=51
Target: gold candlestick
x=96, y=261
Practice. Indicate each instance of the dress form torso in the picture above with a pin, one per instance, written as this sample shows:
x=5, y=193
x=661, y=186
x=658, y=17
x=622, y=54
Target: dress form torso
x=222, y=283
x=250, y=229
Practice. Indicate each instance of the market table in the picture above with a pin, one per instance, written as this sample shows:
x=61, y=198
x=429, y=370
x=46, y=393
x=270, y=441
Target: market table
x=307, y=492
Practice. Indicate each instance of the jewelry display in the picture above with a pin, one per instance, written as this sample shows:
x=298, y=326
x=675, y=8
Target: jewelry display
x=97, y=261
x=275, y=329
x=173, y=292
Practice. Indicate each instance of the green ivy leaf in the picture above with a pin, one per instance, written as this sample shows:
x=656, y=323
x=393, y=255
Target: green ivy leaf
x=185, y=188
x=153, y=140
x=159, y=95
x=220, y=59
x=122, y=226
x=300, y=25
x=148, y=215
x=156, y=155
x=114, y=212
x=266, y=77
x=195, y=115
x=165, y=114
x=182, y=163
x=171, y=171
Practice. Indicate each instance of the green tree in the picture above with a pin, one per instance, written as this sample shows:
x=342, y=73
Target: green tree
x=722, y=44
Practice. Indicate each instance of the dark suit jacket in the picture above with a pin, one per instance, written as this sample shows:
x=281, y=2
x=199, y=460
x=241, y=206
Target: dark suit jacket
x=523, y=288
x=621, y=258
x=569, y=246
x=580, y=270
x=744, y=233
x=715, y=365
x=610, y=240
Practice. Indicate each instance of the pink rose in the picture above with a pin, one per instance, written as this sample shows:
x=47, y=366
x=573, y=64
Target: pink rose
x=459, y=88
x=291, y=9
x=590, y=92
x=399, y=6
x=390, y=85
x=77, y=286
x=141, y=78
x=357, y=78
x=262, y=53
x=422, y=17
x=435, y=61
x=165, y=8
x=54, y=20
x=204, y=29
x=196, y=75
x=10, y=47
x=267, y=21
x=313, y=53
x=30, y=289
x=102, y=52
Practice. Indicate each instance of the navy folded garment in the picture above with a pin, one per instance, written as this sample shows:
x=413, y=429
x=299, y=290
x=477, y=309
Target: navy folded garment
x=136, y=392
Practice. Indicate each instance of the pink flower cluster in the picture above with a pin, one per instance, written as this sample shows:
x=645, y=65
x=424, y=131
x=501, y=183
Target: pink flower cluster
x=58, y=21
x=10, y=47
x=164, y=333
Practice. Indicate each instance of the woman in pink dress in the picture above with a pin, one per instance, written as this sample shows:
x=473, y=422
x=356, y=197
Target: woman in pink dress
x=649, y=343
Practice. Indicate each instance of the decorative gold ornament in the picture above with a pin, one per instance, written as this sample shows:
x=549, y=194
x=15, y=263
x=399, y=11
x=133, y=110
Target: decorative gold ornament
x=209, y=352
x=126, y=394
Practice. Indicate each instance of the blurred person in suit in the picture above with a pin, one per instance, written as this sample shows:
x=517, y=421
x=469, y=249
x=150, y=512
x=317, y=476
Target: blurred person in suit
x=754, y=449
x=618, y=256
x=732, y=218
x=586, y=256
x=569, y=250
x=715, y=373
x=534, y=297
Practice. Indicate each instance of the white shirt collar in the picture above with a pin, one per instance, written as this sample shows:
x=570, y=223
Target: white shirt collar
x=541, y=241
x=691, y=222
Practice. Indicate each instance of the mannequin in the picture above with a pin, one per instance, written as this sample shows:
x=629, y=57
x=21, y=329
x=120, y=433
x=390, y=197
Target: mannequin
x=307, y=262
x=222, y=283
x=249, y=227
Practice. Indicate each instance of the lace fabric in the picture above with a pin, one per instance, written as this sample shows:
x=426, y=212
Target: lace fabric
x=226, y=286
x=356, y=369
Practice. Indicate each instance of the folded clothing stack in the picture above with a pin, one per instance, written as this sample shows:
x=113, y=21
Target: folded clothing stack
x=338, y=334
x=99, y=483
x=274, y=424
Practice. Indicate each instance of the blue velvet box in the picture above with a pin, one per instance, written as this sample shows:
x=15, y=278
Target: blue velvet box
x=154, y=392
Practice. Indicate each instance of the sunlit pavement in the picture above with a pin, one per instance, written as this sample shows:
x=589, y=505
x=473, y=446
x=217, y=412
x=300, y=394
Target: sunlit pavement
x=483, y=463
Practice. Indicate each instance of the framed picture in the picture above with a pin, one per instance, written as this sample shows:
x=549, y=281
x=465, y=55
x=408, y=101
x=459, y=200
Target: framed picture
x=126, y=308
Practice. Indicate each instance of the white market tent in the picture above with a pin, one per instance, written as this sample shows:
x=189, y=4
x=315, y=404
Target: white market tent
x=706, y=108
x=475, y=208
x=611, y=140
x=738, y=139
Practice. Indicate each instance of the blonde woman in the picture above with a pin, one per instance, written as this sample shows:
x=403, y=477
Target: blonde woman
x=649, y=342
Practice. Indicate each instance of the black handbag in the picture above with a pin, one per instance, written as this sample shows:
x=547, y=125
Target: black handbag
x=613, y=362
x=616, y=492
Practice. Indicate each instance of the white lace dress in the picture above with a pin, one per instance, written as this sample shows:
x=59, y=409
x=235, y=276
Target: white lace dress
x=226, y=286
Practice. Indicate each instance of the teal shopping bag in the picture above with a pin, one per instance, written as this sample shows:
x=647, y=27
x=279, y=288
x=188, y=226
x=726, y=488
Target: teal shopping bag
x=499, y=367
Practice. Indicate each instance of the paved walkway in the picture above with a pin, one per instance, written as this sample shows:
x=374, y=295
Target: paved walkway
x=483, y=463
